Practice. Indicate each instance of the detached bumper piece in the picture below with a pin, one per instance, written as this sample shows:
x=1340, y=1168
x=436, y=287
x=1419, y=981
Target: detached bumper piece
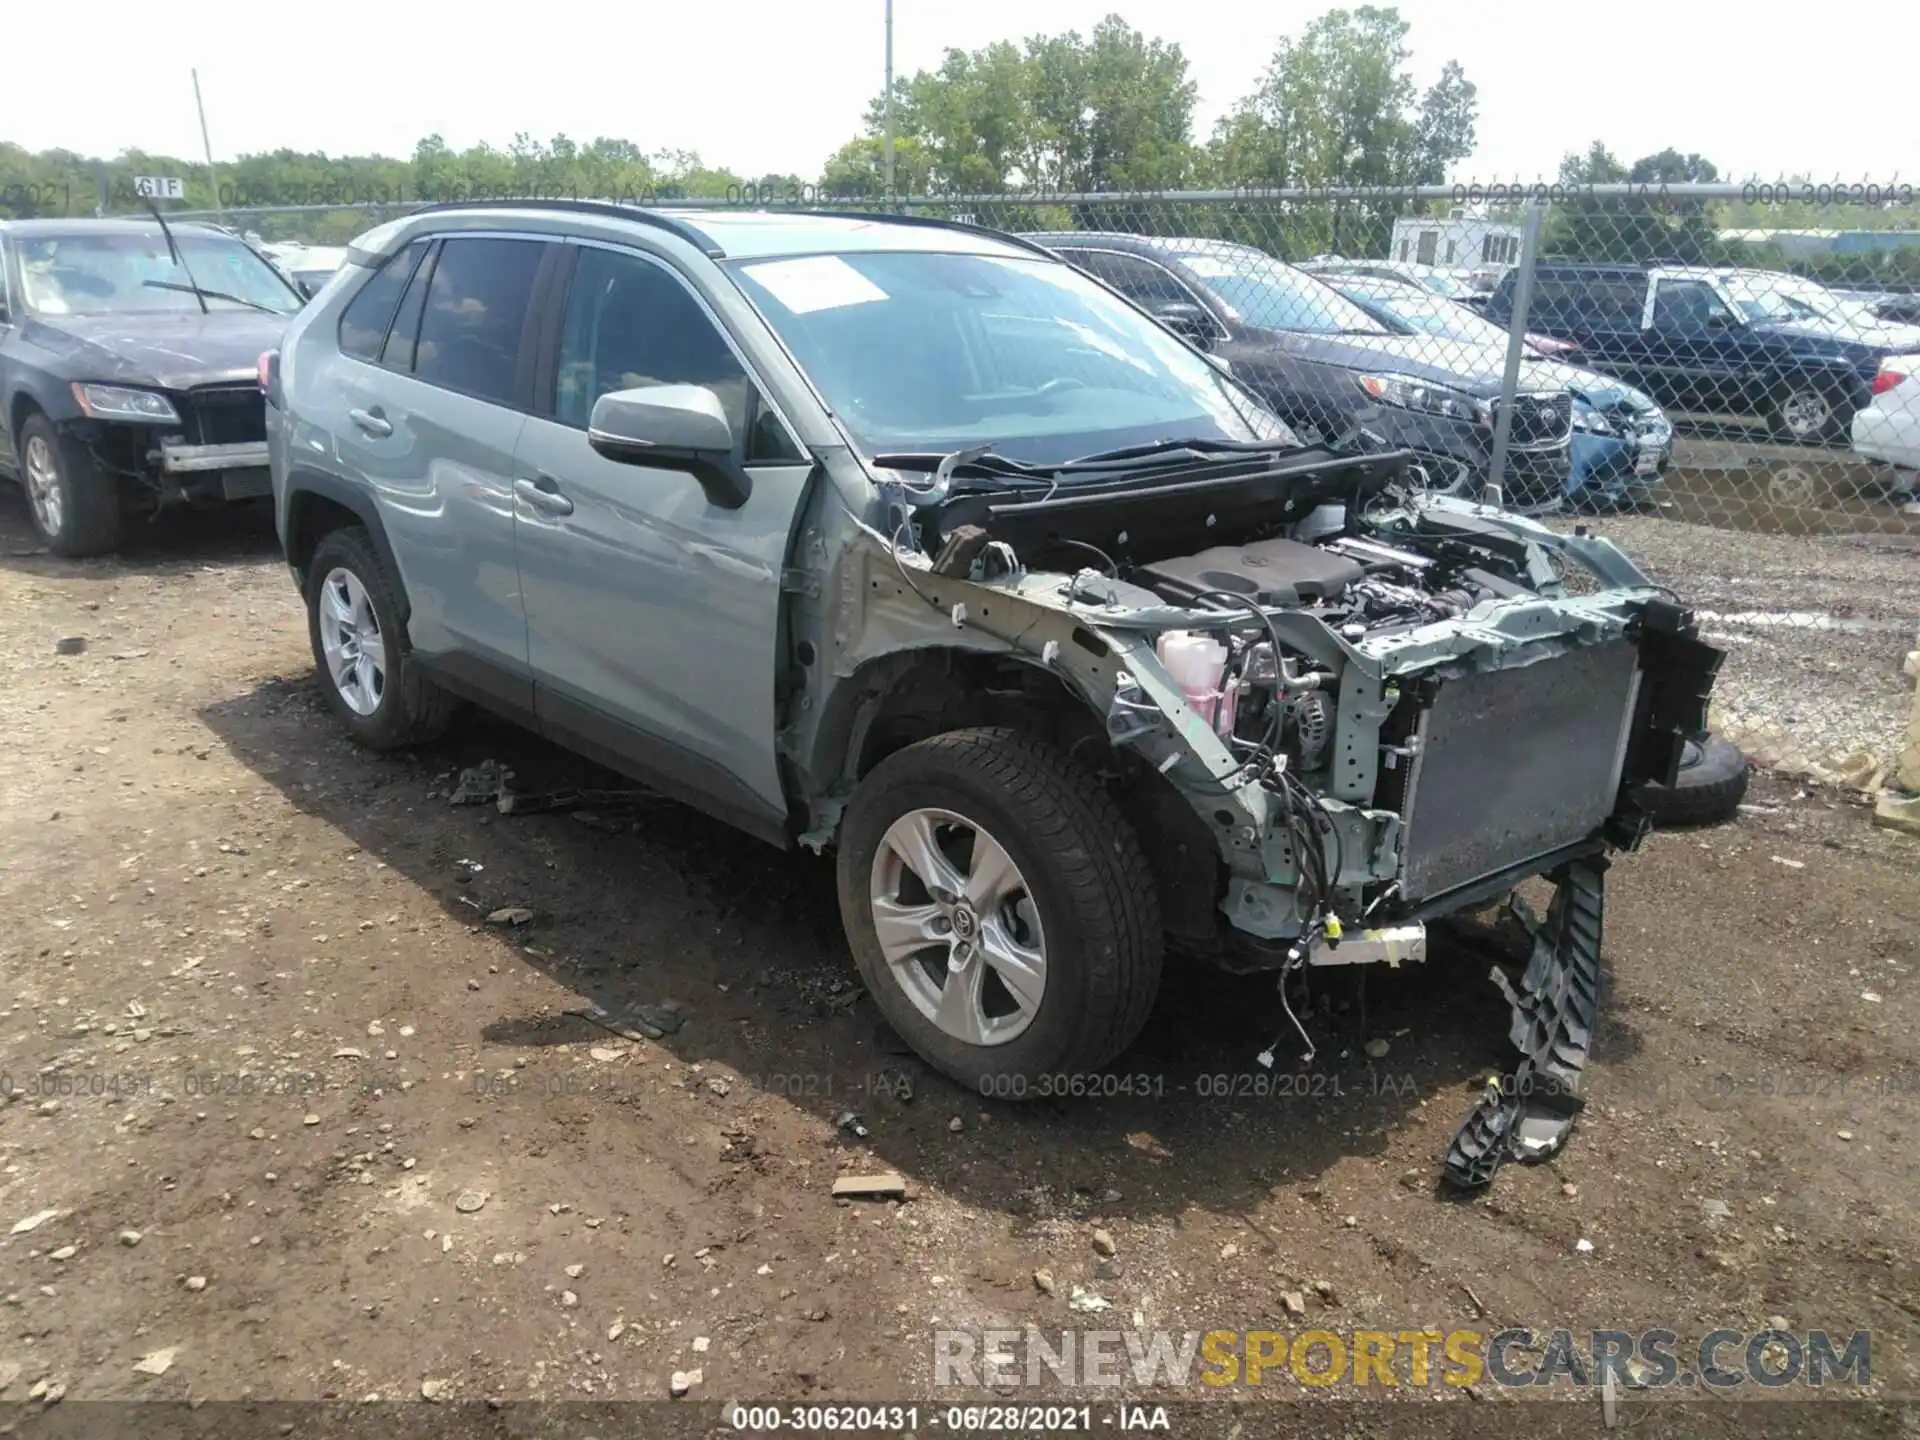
x=192, y=459
x=1528, y=1115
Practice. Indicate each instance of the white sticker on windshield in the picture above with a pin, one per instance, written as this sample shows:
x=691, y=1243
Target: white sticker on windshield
x=1207, y=267
x=816, y=282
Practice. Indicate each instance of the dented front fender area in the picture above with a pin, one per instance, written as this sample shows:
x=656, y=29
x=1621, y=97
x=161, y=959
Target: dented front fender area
x=866, y=611
x=869, y=616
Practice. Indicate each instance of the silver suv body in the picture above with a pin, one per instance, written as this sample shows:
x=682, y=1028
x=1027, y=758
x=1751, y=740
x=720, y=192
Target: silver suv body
x=906, y=539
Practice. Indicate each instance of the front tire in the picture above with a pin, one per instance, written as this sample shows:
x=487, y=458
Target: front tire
x=1001, y=910
x=75, y=505
x=367, y=669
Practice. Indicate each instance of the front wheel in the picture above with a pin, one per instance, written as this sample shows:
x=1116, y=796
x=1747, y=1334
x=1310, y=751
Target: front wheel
x=75, y=504
x=1001, y=910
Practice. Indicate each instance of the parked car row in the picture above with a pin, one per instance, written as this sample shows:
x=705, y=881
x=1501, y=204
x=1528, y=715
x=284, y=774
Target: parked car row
x=1719, y=342
x=1340, y=355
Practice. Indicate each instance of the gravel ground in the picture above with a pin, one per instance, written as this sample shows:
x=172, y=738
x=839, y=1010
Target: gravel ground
x=1814, y=629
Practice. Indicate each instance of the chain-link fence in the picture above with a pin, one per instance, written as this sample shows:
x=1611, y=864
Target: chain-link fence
x=1730, y=374
x=1740, y=356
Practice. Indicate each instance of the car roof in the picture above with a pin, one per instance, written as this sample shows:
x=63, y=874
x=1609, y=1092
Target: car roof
x=761, y=234
x=55, y=226
x=1382, y=285
x=723, y=233
x=1130, y=240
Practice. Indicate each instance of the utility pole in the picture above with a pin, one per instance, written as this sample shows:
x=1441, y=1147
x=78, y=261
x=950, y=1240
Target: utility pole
x=207, y=145
x=887, y=101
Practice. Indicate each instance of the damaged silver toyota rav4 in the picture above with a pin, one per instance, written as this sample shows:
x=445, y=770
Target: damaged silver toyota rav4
x=907, y=539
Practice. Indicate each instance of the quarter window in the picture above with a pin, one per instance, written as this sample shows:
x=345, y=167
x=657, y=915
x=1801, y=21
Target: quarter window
x=363, y=325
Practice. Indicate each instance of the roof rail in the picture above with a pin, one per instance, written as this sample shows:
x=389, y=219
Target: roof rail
x=934, y=222
x=691, y=234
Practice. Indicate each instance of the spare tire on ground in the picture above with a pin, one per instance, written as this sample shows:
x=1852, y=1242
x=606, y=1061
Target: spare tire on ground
x=1709, y=788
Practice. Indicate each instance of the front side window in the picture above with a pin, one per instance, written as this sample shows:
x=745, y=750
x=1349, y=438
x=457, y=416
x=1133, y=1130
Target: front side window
x=1141, y=281
x=1262, y=292
x=920, y=351
x=630, y=323
x=1688, y=304
x=131, y=272
x=474, y=324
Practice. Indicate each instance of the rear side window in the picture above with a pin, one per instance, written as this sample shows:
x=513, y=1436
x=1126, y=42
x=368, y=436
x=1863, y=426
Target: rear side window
x=475, y=321
x=363, y=325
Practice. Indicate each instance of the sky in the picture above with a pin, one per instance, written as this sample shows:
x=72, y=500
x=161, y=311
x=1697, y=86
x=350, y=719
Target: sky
x=773, y=86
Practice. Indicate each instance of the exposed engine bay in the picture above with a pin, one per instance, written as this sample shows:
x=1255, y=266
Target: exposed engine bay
x=1381, y=707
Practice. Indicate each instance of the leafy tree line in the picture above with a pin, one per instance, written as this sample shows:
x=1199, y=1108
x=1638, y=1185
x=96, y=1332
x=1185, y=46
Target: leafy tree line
x=1107, y=111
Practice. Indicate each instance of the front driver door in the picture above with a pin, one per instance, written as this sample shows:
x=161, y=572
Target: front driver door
x=653, y=613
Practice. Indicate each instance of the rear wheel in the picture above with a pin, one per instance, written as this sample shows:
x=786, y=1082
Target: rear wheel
x=75, y=505
x=1000, y=909
x=1806, y=414
x=367, y=669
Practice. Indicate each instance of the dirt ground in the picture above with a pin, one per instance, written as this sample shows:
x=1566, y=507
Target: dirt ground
x=305, y=1118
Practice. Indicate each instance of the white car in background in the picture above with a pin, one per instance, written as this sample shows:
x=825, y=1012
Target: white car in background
x=308, y=266
x=1888, y=429
x=1437, y=280
x=1765, y=296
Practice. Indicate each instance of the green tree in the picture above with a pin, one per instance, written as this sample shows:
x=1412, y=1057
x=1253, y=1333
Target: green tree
x=1338, y=106
x=1639, y=227
x=1107, y=111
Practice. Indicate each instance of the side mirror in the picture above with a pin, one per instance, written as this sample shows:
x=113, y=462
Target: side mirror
x=672, y=427
x=306, y=288
x=1185, y=319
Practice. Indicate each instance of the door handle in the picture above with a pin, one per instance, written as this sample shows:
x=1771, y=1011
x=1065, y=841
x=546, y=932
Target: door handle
x=371, y=421
x=543, y=493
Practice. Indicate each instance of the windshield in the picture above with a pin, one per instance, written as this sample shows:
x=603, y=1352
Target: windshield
x=1262, y=292
x=1425, y=313
x=1767, y=296
x=132, y=272
x=934, y=352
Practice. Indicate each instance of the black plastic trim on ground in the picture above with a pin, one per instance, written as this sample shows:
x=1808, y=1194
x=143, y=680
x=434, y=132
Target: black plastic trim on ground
x=1529, y=1114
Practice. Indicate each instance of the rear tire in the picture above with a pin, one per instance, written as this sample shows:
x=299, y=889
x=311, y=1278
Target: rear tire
x=1074, y=893
x=75, y=505
x=1711, y=784
x=1804, y=414
x=367, y=668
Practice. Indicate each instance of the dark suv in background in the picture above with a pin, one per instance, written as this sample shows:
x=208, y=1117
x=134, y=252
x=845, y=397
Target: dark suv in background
x=129, y=356
x=1681, y=335
x=1332, y=371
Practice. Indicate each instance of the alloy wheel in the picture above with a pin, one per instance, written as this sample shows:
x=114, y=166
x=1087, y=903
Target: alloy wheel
x=958, y=927
x=351, y=640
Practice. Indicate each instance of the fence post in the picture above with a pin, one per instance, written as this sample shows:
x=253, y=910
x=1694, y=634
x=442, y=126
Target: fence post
x=1516, y=349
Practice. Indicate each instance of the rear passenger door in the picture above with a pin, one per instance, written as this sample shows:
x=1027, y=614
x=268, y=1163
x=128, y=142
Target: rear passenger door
x=430, y=418
x=653, y=612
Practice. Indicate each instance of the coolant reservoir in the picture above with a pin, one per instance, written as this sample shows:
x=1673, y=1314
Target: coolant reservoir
x=1197, y=663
